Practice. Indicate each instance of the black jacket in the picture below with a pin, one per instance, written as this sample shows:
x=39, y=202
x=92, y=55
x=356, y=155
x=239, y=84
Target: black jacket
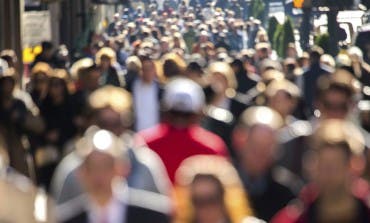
x=140, y=207
x=134, y=215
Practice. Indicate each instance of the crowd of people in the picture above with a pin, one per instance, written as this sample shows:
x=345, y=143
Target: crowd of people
x=185, y=114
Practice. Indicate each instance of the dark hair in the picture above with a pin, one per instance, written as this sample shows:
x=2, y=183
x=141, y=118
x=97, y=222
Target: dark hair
x=326, y=84
x=212, y=178
x=47, y=45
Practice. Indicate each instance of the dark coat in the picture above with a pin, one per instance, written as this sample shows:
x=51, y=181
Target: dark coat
x=270, y=194
x=140, y=207
x=134, y=215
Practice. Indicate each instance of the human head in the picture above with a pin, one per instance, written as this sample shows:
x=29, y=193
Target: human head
x=149, y=69
x=133, y=63
x=58, y=84
x=104, y=159
x=7, y=80
x=173, y=65
x=40, y=74
x=183, y=102
x=255, y=139
x=47, y=48
x=337, y=155
x=315, y=54
x=335, y=94
x=222, y=78
x=105, y=57
x=208, y=188
x=10, y=56
x=282, y=96
x=111, y=109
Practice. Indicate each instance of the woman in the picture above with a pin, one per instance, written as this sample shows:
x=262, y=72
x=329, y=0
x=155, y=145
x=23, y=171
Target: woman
x=105, y=58
x=208, y=189
x=37, y=87
x=57, y=111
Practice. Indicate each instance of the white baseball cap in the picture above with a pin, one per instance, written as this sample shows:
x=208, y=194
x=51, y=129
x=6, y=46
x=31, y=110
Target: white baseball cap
x=183, y=95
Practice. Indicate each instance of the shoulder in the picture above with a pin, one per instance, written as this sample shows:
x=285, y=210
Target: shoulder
x=208, y=140
x=289, y=214
x=72, y=210
x=153, y=134
x=148, y=202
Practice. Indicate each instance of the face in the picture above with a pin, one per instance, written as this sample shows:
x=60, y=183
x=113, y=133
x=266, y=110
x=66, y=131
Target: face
x=56, y=87
x=283, y=103
x=332, y=169
x=219, y=83
x=164, y=46
x=40, y=82
x=259, y=152
x=105, y=62
x=110, y=120
x=97, y=173
x=7, y=86
x=207, y=200
x=149, y=71
x=335, y=105
x=92, y=81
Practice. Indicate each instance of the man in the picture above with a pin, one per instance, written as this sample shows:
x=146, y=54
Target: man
x=106, y=198
x=111, y=109
x=255, y=140
x=179, y=136
x=335, y=193
x=146, y=92
x=311, y=76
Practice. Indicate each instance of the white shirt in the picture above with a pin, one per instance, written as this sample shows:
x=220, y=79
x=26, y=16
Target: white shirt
x=114, y=212
x=146, y=104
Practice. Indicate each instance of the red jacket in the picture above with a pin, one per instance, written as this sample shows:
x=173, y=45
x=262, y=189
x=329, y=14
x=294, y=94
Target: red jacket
x=298, y=212
x=175, y=145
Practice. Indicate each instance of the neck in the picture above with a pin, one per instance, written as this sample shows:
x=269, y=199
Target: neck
x=102, y=198
x=218, y=99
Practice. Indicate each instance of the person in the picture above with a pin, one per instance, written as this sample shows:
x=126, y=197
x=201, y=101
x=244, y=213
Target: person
x=106, y=198
x=17, y=124
x=21, y=200
x=283, y=96
x=311, y=76
x=47, y=54
x=111, y=109
x=361, y=69
x=57, y=112
x=336, y=95
x=173, y=65
x=335, y=193
x=105, y=60
x=179, y=135
x=269, y=187
x=208, y=189
x=146, y=92
x=223, y=83
x=37, y=87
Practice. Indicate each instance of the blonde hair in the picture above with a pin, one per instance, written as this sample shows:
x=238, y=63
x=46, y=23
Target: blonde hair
x=224, y=69
x=235, y=198
x=41, y=67
x=115, y=98
x=105, y=51
x=134, y=63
